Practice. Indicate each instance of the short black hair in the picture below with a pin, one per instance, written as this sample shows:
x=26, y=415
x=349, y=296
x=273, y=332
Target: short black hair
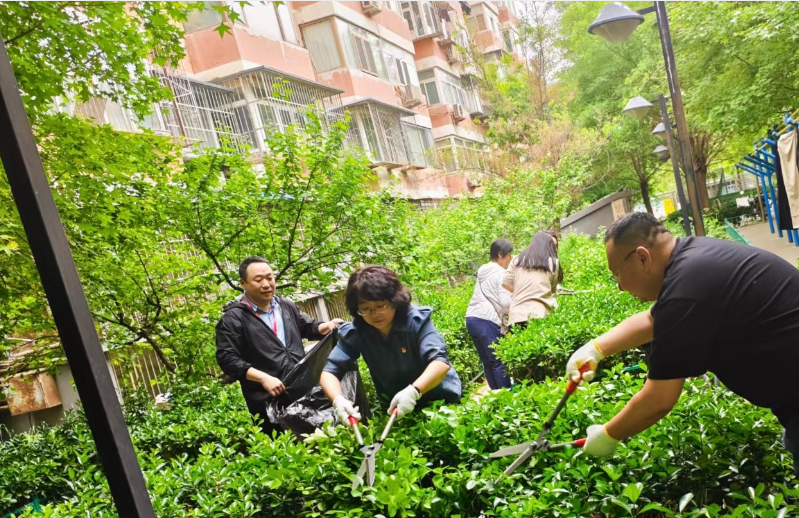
x=376, y=283
x=246, y=263
x=500, y=247
x=636, y=229
x=541, y=253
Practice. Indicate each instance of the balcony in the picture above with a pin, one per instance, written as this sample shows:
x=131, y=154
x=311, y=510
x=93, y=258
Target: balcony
x=388, y=136
x=423, y=19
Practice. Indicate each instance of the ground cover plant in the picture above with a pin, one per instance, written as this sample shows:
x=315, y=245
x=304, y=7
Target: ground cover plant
x=204, y=458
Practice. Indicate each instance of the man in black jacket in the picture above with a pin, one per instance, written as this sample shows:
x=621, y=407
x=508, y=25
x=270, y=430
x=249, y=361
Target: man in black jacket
x=259, y=337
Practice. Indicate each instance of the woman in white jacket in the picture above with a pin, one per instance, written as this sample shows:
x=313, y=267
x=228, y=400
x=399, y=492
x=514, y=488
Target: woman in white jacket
x=487, y=310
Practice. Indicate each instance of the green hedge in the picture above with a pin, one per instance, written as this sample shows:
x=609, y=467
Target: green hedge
x=435, y=463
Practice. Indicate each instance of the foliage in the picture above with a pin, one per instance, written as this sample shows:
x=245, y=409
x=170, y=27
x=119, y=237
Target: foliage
x=450, y=242
x=204, y=458
x=156, y=242
x=92, y=49
x=543, y=347
x=449, y=305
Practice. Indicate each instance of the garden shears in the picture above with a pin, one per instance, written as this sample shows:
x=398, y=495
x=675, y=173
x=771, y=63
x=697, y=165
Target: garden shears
x=526, y=450
x=366, y=473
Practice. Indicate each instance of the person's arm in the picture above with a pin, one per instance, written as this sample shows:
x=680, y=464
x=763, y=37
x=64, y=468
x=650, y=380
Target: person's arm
x=650, y=405
x=270, y=383
x=632, y=332
x=229, y=334
x=432, y=377
x=644, y=409
x=502, y=294
x=635, y=331
x=330, y=384
x=341, y=360
x=507, y=279
x=326, y=327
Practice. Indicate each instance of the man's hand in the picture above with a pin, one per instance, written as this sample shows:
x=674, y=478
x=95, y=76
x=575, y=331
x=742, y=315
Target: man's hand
x=404, y=401
x=327, y=327
x=272, y=385
x=599, y=443
x=591, y=354
x=344, y=409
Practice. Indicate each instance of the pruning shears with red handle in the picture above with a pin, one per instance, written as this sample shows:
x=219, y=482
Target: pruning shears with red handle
x=366, y=473
x=526, y=450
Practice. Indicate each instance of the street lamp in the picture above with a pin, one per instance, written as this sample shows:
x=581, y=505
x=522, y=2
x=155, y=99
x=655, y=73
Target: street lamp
x=662, y=153
x=637, y=108
x=615, y=23
x=660, y=131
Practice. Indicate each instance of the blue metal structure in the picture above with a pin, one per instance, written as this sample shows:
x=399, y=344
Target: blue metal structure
x=762, y=164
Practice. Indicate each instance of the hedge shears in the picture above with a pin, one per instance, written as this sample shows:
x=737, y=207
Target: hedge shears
x=366, y=473
x=526, y=450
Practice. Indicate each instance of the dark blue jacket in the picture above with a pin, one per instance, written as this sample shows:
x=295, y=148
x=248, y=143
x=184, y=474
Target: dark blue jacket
x=396, y=361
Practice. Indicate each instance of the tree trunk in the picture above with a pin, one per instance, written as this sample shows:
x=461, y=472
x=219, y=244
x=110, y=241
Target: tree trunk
x=700, y=170
x=158, y=351
x=644, y=185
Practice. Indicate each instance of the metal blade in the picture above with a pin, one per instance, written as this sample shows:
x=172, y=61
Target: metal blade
x=370, y=470
x=519, y=461
x=361, y=473
x=511, y=450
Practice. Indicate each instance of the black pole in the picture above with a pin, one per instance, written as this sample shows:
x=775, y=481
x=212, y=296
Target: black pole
x=50, y=249
x=679, y=113
x=664, y=112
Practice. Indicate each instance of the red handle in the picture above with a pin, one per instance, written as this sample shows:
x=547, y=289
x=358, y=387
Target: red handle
x=573, y=384
x=354, y=424
x=353, y=421
x=579, y=443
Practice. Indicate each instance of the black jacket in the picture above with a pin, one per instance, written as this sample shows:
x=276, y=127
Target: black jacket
x=243, y=340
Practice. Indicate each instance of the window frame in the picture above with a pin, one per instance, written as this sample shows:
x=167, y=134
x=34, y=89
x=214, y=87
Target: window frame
x=364, y=45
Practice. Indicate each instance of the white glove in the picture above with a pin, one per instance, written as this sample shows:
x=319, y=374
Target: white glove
x=589, y=353
x=598, y=442
x=344, y=409
x=405, y=400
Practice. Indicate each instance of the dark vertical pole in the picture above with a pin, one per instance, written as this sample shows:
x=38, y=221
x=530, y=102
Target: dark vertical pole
x=679, y=113
x=664, y=112
x=67, y=301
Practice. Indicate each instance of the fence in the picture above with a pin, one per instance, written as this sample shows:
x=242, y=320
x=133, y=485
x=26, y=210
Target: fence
x=141, y=368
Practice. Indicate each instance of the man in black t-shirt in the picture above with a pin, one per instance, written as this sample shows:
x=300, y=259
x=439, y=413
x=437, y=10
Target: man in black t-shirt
x=720, y=306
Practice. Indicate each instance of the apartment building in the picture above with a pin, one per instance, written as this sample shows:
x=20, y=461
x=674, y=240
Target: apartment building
x=392, y=66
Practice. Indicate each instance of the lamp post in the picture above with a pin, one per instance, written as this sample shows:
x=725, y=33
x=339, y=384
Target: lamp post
x=615, y=23
x=664, y=112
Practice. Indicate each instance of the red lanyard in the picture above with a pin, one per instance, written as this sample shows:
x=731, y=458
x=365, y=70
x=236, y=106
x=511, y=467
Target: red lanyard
x=274, y=314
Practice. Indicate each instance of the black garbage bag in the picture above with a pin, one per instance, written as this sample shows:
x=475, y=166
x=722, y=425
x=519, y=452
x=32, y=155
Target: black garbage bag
x=304, y=407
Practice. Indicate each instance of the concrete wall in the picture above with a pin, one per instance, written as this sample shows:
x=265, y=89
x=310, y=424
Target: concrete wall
x=55, y=415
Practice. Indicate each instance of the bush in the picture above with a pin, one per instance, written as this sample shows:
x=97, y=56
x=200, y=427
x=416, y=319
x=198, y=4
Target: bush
x=542, y=349
x=435, y=463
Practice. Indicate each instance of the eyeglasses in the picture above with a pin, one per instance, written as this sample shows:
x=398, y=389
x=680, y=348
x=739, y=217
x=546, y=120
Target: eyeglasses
x=374, y=311
x=615, y=276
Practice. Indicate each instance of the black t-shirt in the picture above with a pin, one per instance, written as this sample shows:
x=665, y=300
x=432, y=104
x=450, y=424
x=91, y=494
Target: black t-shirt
x=731, y=309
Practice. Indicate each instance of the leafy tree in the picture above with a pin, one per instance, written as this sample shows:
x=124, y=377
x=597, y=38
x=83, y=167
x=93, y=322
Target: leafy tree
x=92, y=49
x=156, y=243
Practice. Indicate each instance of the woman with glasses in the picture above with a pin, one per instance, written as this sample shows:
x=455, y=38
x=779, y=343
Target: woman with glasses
x=404, y=352
x=532, y=278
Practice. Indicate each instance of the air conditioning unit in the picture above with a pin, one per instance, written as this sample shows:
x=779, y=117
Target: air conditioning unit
x=458, y=113
x=413, y=96
x=372, y=8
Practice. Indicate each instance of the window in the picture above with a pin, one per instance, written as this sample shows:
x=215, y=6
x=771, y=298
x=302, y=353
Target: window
x=199, y=20
x=422, y=18
x=431, y=92
x=508, y=37
x=363, y=51
x=402, y=72
x=284, y=21
x=320, y=42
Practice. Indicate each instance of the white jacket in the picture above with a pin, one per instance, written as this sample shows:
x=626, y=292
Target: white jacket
x=489, y=284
